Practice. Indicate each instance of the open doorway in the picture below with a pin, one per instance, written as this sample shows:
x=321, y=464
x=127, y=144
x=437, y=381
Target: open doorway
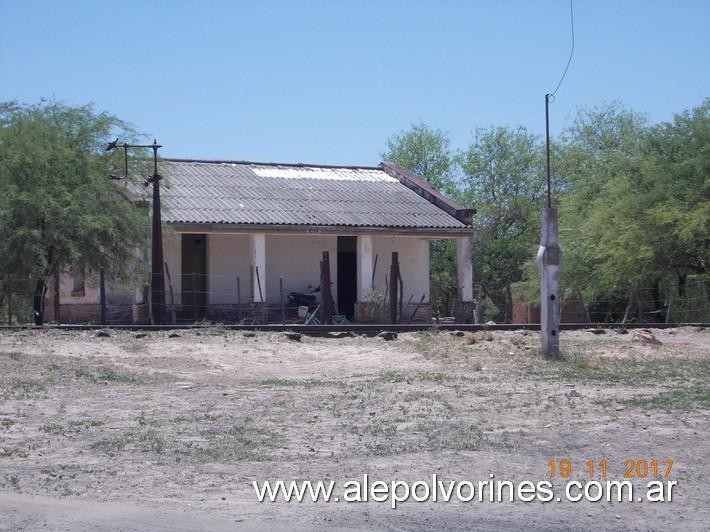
x=194, y=277
x=347, y=275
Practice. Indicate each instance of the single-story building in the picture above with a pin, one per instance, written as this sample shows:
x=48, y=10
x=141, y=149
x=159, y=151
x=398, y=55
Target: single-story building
x=240, y=235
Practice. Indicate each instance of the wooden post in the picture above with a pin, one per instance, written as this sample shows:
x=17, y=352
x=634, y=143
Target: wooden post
x=194, y=297
x=173, y=317
x=394, y=276
x=326, y=307
x=239, y=300
x=252, y=293
x=281, y=295
x=387, y=290
x=374, y=270
x=401, y=296
x=258, y=283
x=102, y=294
x=9, y=307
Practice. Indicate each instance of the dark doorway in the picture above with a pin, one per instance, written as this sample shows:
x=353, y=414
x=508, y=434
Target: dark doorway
x=194, y=277
x=347, y=275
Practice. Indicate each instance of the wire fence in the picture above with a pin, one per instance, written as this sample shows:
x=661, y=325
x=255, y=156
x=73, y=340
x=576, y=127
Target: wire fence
x=670, y=302
x=681, y=302
x=188, y=298
x=195, y=297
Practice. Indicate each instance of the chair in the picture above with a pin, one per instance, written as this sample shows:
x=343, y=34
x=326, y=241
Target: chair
x=311, y=318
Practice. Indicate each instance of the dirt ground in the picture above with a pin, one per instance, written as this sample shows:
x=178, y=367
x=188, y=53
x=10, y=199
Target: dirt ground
x=167, y=431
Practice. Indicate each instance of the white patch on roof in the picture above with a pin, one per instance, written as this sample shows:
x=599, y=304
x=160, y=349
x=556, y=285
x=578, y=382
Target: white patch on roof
x=331, y=174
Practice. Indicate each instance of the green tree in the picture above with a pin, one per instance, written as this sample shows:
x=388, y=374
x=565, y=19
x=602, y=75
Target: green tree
x=601, y=227
x=635, y=211
x=58, y=209
x=504, y=174
x=426, y=152
x=676, y=174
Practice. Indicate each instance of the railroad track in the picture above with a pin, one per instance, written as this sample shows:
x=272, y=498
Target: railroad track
x=367, y=329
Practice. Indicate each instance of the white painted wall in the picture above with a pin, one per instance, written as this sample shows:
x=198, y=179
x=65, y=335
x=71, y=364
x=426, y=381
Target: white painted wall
x=413, y=264
x=296, y=258
x=172, y=251
x=228, y=256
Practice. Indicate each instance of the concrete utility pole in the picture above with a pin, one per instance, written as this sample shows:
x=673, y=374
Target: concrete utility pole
x=549, y=259
x=157, y=280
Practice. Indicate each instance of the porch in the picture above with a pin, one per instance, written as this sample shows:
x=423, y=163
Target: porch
x=247, y=276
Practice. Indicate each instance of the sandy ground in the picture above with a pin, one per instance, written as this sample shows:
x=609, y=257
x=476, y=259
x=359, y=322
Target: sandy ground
x=140, y=431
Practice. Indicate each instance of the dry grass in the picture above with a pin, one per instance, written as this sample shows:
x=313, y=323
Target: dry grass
x=212, y=409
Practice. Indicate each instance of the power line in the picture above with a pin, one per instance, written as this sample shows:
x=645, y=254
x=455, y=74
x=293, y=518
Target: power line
x=571, y=53
x=549, y=98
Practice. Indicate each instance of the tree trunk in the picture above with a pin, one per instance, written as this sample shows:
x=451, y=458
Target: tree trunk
x=656, y=295
x=586, y=307
x=703, y=302
x=628, y=307
x=682, y=281
x=38, y=301
x=508, y=303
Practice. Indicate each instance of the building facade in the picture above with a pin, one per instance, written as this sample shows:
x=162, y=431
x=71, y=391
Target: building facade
x=240, y=236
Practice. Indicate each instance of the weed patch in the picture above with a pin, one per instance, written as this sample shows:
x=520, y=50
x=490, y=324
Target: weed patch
x=682, y=399
x=243, y=440
x=110, y=376
x=148, y=440
x=628, y=371
x=298, y=383
x=24, y=387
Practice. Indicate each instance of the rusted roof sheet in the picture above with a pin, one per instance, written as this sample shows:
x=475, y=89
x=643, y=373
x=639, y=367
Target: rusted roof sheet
x=281, y=194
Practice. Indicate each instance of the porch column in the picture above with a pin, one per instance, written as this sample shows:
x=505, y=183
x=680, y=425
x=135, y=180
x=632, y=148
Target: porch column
x=258, y=263
x=464, y=267
x=463, y=309
x=364, y=257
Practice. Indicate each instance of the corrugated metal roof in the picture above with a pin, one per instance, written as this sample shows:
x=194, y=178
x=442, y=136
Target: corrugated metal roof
x=276, y=194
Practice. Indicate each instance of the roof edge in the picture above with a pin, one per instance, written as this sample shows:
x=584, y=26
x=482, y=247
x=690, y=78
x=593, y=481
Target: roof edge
x=260, y=163
x=425, y=190
x=216, y=227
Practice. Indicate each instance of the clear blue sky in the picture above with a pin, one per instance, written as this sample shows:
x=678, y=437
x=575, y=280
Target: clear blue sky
x=329, y=82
